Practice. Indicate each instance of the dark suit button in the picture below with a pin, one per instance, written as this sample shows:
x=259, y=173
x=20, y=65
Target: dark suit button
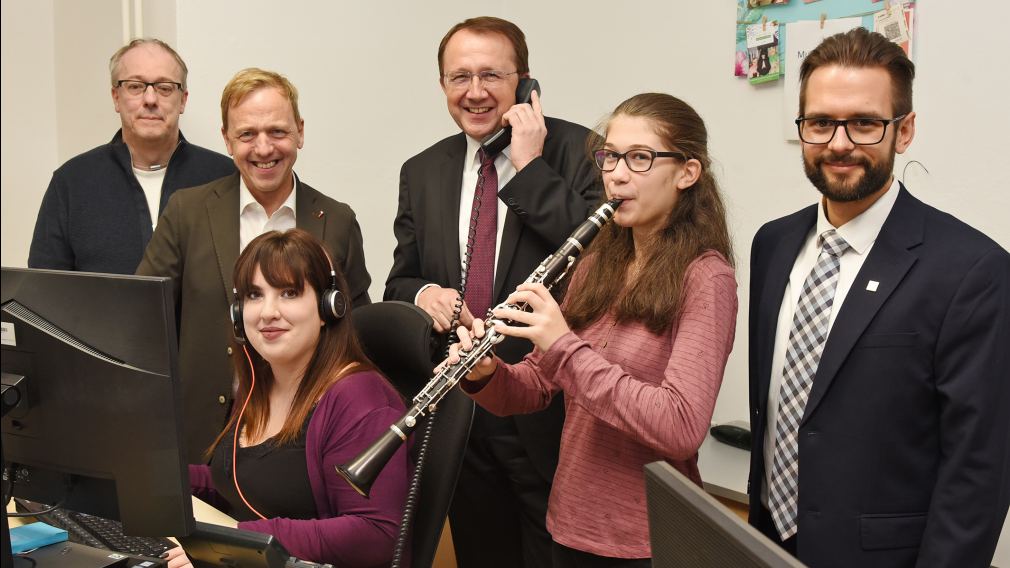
x=511, y=201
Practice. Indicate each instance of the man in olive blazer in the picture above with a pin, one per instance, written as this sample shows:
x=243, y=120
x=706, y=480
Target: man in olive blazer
x=203, y=230
x=197, y=244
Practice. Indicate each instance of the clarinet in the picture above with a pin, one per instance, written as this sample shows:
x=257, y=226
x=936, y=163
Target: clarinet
x=361, y=472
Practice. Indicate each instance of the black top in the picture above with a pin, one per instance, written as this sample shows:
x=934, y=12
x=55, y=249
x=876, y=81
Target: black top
x=274, y=479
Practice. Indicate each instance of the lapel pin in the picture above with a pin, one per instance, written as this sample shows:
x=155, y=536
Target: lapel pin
x=320, y=213
x=872, y=285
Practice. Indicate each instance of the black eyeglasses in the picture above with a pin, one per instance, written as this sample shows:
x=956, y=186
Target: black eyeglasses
x=861, y=131
x=638, y=160
x=138, y=88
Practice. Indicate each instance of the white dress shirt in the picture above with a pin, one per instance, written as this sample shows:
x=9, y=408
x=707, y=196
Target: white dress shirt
x=253, y=218
x=860, y=233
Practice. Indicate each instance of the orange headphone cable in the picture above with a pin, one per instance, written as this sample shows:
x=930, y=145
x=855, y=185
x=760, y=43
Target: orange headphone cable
x=238, y=424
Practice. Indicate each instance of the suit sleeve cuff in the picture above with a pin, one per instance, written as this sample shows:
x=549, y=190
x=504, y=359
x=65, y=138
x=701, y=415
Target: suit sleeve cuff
x=422, y=289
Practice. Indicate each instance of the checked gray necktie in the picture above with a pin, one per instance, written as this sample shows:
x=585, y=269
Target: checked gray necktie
x=806, y=342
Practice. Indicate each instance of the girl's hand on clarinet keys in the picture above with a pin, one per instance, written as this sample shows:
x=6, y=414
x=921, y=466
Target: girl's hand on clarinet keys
x=485, y=367
x=545, y=324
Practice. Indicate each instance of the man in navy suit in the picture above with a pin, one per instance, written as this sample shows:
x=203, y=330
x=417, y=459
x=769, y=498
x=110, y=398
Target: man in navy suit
x=879, y=343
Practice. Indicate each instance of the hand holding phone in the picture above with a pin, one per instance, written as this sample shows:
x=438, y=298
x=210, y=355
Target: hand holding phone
x=528, y=118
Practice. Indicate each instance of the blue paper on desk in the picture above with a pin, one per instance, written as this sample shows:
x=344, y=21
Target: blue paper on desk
x=35, y=535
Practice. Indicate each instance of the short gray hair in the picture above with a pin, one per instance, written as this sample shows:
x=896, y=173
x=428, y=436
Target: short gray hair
x=118, y=55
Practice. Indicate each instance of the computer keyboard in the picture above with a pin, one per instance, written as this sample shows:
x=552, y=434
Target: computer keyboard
x=98, y=532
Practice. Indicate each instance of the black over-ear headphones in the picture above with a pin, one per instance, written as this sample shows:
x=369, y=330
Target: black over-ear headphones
x=332, y=305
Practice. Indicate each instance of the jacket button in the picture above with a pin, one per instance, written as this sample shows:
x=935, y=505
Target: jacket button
x=221, y=399
x=229, y=350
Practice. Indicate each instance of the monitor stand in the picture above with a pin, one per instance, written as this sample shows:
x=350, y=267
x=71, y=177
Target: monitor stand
x=10, y=396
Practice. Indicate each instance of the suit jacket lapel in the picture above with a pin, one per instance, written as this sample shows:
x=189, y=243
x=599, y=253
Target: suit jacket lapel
x=780, y=265
x=506, y=250
x=224, y=229
x=445, y=210
x=308, y=215
x=510, y=234
x=888, y=263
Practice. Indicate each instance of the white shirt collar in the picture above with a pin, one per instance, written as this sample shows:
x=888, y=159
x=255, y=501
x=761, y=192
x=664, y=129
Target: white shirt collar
x=245, y=197
x=472, y=145
x=862, y=231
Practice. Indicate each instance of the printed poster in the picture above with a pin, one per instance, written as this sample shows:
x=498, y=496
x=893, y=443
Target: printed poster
x=763, y=52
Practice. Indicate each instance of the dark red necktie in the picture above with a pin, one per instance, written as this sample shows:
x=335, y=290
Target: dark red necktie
x=484, y=224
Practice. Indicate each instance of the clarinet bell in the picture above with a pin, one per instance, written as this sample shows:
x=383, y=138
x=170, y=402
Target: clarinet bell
x=362, y=471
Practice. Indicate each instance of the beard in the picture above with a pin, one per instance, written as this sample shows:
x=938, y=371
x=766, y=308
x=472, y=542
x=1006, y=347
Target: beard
x=873, y=179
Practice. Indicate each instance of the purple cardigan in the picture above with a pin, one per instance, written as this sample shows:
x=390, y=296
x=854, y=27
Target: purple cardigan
x=351, y=530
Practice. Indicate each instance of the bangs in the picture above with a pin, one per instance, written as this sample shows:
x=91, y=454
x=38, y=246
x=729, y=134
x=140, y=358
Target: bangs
x=282, y=270
x=279, y=261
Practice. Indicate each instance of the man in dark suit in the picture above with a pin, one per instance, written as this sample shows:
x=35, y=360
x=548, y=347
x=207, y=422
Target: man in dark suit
x=879, y=334
x=528, y=199
x=204, y=229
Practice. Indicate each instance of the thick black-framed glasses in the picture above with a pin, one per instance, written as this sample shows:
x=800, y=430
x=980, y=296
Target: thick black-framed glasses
x=138, y=88
x=861, y=131
x=638, y=160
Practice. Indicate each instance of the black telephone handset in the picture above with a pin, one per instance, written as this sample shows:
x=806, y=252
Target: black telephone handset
x=500, y=140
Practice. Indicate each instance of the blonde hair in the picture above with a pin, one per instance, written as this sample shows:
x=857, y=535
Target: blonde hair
x=246, y=81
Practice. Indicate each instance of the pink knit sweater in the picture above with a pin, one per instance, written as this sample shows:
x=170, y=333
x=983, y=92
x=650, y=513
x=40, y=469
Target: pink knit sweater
x=631, y=397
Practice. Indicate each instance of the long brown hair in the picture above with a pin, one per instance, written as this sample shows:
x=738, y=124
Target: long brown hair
x=696, y=224
x=293, y=259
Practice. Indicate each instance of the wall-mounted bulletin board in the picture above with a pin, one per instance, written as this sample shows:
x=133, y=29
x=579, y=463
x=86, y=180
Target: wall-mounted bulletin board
x=773, y=37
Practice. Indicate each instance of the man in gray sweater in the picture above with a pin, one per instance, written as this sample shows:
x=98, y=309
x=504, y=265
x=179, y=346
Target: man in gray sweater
x=100, y=209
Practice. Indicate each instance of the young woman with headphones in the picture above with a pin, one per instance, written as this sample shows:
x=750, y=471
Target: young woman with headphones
x=310, y=400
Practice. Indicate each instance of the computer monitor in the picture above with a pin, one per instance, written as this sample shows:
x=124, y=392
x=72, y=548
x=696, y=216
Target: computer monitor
x=98, y=425
x=689, y=528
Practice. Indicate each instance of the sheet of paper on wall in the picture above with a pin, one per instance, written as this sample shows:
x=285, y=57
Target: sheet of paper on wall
x=802, y=37
x=896, y=23
x=763, y=52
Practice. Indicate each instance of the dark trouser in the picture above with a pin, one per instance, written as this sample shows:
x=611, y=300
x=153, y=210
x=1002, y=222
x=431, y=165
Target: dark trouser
x=499, y=510
x=565, y=557
x=765, y=524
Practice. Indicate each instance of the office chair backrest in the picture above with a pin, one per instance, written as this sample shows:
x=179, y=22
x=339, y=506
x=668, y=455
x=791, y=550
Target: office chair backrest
x=398, y=338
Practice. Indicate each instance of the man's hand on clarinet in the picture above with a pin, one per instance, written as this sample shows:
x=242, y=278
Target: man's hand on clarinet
x=440, y=303
x=467, y=339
